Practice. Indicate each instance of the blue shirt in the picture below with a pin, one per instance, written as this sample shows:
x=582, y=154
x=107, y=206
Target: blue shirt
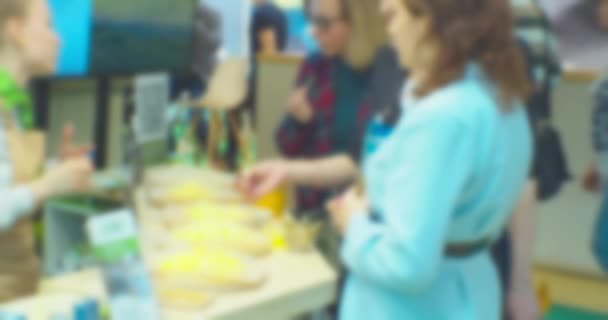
x=451, y=171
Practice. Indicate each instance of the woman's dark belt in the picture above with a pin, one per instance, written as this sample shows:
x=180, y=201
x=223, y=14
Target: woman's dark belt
x=454, y=250
x=467, y=249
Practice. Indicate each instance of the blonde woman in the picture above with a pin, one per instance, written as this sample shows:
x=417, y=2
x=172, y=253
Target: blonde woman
x=28, y=48
x=337, y=90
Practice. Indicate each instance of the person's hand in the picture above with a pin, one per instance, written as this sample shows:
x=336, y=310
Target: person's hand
x=69, y=176
x=343, y=207
x=522, y=304
x=299, y=107
x=262, y=179
x=67, y=148
x=591, y=179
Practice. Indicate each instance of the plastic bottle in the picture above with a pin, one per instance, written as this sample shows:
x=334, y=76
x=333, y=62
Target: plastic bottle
x=127, y=282
x=130, y=292
x=248, y=145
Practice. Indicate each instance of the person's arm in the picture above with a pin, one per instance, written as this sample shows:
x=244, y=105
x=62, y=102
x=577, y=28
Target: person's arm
x=324, y=173
x=591, y=181
x=17, y=201
x=522, y=302
x=404, y=251
x=523, y=233
x=20, y=200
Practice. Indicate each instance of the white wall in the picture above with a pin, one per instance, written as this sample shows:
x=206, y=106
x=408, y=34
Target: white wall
x=236, y=17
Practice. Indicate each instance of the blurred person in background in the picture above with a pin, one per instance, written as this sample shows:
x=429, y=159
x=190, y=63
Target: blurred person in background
x=602, y=14
x=234, y=17
x=596, y=176
x=337, y=90
x=581, y=26
x=440, y=189
x=514, y=252
x=207, y=41
x=269, y=33
x=28, y=48
x=268, y=36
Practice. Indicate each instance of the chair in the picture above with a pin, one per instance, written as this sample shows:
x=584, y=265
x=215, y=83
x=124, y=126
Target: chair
x=226, y=90
x=227, y=87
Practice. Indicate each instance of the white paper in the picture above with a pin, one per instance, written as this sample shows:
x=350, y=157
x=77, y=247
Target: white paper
x=151, y=96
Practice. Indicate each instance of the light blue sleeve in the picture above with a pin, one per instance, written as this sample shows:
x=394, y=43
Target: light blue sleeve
x=15, y=202
x=404, y=252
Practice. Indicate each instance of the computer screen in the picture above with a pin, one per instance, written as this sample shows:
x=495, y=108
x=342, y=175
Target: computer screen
x=106, y=37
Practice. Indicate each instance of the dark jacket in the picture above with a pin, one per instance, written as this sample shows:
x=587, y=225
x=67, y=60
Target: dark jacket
x=314, y=140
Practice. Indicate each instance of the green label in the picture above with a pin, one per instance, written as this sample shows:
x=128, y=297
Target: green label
x=113, y=235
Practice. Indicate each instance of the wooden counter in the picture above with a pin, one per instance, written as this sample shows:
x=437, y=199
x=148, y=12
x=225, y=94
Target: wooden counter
x=297, y=283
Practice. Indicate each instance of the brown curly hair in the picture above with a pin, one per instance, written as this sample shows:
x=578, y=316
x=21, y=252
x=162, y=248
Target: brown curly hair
x=473, y=30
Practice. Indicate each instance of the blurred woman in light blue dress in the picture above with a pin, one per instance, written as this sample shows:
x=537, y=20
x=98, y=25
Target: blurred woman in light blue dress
x=439, y=190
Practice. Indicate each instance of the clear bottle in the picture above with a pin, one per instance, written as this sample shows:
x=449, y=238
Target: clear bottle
x=247, y=143
x=129, y=288
x=113, y=236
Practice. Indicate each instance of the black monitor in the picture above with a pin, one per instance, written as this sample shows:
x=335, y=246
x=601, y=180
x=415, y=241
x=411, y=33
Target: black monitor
x=109, y=37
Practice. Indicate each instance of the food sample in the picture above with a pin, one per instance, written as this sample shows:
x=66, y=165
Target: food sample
x=188, y=193
x=207, y=212
x=275, y=201
x=276, y=231
x=180, y=298
x=208, y=268
x=184, y=193
x=224, y=235
x=174, y=175
x=301, y=234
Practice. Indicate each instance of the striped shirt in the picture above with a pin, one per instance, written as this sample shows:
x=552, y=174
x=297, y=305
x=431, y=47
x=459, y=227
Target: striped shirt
x=600, y=116
x=315, y=139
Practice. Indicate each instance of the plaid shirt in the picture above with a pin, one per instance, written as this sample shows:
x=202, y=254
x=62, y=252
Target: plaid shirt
x=314, y=140
x=600, y=117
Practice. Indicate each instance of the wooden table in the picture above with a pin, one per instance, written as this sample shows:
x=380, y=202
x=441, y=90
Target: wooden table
x=297, y=283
